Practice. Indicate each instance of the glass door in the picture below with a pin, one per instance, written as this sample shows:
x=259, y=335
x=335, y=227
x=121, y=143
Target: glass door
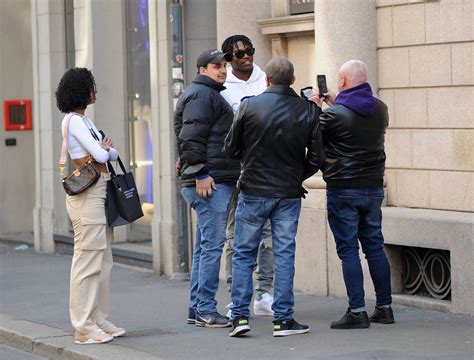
x=139, y=110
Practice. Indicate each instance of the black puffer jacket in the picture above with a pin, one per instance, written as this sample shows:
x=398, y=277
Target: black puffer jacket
x=354, y=144
x=201, y=122
x=276, y=136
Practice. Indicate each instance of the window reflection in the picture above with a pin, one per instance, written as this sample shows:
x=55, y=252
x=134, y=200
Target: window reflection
x=139, y=105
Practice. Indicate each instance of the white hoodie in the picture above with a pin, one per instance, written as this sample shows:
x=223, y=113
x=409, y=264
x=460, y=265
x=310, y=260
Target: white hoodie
x=236, y=89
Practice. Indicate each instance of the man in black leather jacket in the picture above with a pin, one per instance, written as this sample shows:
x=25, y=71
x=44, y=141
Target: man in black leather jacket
x=277, y=138
x=201, y=121
x=353, y=134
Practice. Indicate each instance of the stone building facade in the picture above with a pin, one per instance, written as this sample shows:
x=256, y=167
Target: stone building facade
x=419, y=55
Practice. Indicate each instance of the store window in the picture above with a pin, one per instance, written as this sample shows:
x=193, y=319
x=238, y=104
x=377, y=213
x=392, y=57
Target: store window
x=139, y=106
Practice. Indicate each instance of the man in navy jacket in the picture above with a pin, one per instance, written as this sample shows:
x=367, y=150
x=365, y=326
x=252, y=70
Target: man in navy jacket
x=201, y=121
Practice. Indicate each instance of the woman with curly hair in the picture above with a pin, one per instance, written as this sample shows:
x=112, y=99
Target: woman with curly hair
x=92, y=259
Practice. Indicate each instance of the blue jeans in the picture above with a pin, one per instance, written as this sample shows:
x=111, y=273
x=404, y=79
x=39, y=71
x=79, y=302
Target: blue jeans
x=264, y=270
x=355, y=215
x=251, y=214
x=211, y=221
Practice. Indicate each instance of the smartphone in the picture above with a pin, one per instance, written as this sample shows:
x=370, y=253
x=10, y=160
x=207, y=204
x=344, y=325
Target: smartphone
x=321, y=80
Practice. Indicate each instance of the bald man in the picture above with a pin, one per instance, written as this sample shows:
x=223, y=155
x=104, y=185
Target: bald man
x=353, y=130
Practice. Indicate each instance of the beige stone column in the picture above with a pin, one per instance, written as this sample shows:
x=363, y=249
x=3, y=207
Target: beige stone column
x=345, y=30
x=49, y=62
x=164, y=230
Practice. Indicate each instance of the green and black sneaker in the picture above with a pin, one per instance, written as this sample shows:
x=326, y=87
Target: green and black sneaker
x=239, y=327
x=288, y=327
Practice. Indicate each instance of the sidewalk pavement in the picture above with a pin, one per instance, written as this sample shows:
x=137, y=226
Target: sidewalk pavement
x=34, y=317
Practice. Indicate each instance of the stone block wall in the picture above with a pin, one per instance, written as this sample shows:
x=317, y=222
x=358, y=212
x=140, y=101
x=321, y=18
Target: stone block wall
x=426, y=77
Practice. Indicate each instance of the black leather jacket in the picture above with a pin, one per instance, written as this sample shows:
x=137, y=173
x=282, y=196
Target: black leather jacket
x=276, y=136
x=354, y=145
x=201, y=122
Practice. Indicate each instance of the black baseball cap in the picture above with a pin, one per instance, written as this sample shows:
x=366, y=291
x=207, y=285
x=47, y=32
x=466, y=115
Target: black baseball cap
x=212, y=56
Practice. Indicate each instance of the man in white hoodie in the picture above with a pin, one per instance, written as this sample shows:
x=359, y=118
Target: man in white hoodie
x=245, y=78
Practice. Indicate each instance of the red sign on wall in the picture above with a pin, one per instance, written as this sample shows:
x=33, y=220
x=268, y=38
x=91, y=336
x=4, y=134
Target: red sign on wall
x=17, y=115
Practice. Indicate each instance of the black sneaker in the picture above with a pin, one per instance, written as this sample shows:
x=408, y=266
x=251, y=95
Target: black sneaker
x=288, y=327
x=191, y=316
x=239, y=327
x=382, y=315
x=214, y=320
x=352, y=320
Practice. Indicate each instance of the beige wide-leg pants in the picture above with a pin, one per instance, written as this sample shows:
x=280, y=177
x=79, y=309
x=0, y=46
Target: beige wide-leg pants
x=92, y=259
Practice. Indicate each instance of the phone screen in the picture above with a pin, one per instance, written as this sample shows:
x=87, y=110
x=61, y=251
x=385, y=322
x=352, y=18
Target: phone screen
x=308, y=92
x=322, y=87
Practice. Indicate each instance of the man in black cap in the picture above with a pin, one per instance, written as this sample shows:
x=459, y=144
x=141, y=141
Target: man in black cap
x=201, y=121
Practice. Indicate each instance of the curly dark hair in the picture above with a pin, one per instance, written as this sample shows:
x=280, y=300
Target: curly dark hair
x=228, y=44
x=75, y=89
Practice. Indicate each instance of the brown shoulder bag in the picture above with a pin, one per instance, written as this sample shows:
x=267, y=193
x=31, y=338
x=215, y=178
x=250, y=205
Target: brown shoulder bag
x=81, y=178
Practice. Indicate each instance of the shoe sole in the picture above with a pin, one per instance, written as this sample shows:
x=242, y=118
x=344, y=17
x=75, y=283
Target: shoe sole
x=382, y=321
x=204, y=324
x=118, y=334
x=239, y=330
x=191, y=322
x=352, y=326
x=91, y=341
x=281, y=333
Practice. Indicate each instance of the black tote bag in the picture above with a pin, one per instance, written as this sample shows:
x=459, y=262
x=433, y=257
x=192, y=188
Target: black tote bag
x=123, y=203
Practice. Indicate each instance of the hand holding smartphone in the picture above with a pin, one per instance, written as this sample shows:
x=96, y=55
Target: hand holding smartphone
x=309, y=92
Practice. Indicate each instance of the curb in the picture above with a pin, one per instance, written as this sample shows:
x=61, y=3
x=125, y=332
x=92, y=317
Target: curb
x=54, y=343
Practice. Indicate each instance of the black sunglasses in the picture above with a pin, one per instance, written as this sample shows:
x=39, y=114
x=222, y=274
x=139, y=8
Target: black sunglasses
x=239, y=54
x=228, y=57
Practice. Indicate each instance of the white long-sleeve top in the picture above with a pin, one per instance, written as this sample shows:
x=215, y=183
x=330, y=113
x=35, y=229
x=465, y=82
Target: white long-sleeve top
x=80, y=141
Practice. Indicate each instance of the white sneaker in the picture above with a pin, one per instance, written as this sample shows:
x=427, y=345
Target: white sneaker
x=263, y=306
x=229, y=313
